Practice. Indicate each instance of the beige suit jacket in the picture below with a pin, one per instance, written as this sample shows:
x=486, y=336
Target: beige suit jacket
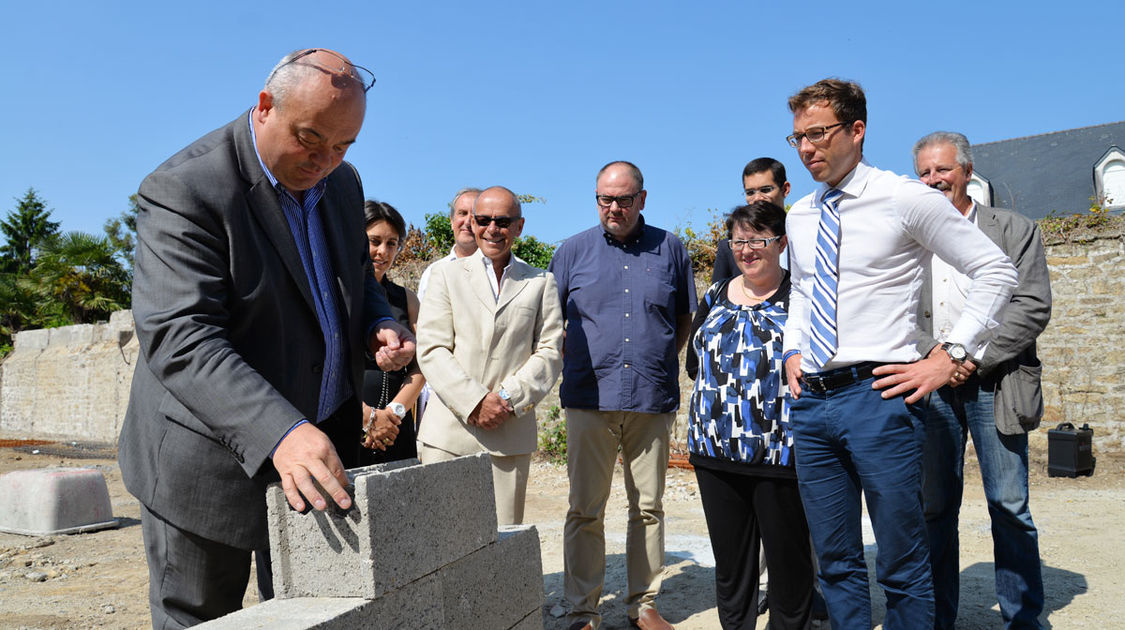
x=470, y=344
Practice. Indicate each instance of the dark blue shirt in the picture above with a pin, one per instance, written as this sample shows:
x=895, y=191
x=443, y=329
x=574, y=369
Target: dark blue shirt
x=622, y=302
x=304, y=222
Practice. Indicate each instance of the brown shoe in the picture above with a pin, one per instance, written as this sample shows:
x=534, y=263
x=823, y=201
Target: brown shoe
x=650, y=620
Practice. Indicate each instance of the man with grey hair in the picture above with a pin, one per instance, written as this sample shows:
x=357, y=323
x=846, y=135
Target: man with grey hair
x=997, y=399
x=461, y=222
x=254, y=299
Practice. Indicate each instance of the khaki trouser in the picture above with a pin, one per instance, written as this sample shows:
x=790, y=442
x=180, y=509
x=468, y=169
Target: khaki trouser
x=509, y=478
x=592, y=440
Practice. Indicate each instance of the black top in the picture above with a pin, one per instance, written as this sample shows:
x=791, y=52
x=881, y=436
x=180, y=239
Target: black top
x=380, y=388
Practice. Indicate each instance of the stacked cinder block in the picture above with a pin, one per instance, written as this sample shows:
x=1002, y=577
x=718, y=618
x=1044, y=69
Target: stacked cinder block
x=419, y=549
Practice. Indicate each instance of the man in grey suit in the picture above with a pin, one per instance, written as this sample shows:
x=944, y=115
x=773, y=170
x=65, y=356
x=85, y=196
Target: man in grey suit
x=995, y=397
x=254, y=300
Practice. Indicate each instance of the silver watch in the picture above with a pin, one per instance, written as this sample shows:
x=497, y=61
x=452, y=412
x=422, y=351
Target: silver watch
x=398, y=409
x=504, y=395
x=955, y=351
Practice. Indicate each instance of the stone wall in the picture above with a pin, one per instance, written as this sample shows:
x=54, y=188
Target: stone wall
x=73, y=382
x=1082, y=348
x=70, y=383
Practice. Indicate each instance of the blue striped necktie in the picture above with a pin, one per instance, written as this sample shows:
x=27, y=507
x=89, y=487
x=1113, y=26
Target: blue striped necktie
x=824, y=341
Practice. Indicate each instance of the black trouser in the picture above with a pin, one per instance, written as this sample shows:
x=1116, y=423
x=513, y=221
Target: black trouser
x=742, y=510
x=193, y=579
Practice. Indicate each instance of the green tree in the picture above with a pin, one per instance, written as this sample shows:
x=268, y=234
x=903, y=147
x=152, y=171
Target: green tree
x=122, y=233
x=702, y=246
x=24, y=229
x=533, y=251
x=79, y=280
x=19, y=309
x=439, y=231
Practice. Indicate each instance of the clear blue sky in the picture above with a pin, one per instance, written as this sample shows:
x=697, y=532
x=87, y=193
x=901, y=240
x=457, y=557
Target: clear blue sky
x=537, y=96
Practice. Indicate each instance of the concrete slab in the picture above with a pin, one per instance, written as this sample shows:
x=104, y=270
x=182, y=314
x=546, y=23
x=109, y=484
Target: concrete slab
x=534, y=621
x=497, y=586
x=398, y=531
x=54, y=501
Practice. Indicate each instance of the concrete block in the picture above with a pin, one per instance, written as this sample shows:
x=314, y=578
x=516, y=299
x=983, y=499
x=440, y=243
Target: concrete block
x=69, y=336
x=418, y=605
x=32, y=339
x=497, y=586
x=398, y=530
x=534, y=621
x=54, y=501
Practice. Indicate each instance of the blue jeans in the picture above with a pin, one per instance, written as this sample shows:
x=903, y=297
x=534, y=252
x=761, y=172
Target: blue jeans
x=849, y=441
x=1003, y=469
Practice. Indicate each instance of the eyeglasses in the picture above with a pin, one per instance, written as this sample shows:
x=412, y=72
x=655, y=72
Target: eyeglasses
x=623, y=201
x=764, y=190
x=753, y=243
x=365, y=77
x=483, y=220
x=814, y=135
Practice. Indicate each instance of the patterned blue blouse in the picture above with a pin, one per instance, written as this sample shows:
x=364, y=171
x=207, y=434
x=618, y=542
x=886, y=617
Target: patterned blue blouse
x=739, y=409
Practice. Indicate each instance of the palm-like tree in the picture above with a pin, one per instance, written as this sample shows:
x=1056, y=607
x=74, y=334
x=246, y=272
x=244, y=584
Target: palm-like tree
x=78, y=279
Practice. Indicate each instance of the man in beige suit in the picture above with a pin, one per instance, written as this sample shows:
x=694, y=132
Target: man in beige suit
x=489, y=343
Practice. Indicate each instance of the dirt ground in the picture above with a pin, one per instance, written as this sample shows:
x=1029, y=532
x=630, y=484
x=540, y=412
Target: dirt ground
x=99, y=580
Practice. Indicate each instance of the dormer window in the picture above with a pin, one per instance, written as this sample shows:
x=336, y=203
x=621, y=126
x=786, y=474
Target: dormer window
x=1109, y=179
x=980, y=190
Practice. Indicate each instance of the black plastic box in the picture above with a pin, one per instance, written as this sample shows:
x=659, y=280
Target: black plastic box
x=1070, y=451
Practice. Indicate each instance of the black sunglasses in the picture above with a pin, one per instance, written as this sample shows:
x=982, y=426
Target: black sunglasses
x=483, y=220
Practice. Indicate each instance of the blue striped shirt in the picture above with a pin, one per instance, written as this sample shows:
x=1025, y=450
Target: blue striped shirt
x=308, y=233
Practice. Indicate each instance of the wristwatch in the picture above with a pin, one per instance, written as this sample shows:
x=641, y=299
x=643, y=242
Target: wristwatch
x=955, y=351
x=398, y=409
x=504, y=395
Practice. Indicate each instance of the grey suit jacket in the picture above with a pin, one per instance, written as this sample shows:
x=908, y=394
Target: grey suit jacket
x=231, y=349
x=470, y=344
x=1011, y=351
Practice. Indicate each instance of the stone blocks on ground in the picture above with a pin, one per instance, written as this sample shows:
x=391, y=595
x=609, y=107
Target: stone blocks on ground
x=394, y=611
x=408, y=521
x=497, y=586
x=534, y=621
x=54, y=501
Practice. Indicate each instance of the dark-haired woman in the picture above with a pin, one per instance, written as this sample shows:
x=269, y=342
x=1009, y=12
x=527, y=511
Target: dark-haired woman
x=389, y=397
x=739, y=436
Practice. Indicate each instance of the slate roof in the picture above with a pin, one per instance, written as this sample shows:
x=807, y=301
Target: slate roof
x=1036, y=175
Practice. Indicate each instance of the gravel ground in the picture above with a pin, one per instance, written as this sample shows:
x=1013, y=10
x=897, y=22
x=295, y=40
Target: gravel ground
x=99, y=580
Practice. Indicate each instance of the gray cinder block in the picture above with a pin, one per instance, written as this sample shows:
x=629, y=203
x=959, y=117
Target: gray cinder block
x=417, y=605
x=54, y=501
x=398, y=530
x=534, y=621
x=497, y=586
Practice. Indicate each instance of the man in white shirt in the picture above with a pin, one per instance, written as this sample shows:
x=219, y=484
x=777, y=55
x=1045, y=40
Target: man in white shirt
x=858, y=248
x=464, y=243
x=976, y=406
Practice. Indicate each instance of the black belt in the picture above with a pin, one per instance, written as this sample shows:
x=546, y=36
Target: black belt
x=822, y=382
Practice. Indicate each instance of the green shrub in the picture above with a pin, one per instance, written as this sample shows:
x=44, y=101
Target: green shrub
x=552, y=436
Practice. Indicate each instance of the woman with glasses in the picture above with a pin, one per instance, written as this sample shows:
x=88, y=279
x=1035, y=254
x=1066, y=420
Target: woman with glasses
x=739, y=436
x=388, y=397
